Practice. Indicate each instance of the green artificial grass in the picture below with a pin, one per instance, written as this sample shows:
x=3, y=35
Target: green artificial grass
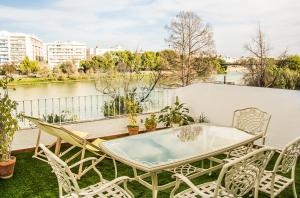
x=33, y=178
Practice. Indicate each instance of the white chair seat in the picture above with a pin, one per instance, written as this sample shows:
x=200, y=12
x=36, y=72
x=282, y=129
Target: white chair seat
x=114, y=191
x=206, y=188
x=240, y=151
x=280, y=183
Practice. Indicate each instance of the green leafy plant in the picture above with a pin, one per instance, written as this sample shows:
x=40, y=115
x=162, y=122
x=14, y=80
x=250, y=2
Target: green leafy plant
x=202, y=118
x=132, y=108
x=117, y=106
x=64, y=116
x=8, y=121
x=175, y=114
x=151, y=122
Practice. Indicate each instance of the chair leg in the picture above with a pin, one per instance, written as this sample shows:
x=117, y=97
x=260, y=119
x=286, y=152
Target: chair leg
x=81, y=165
x=37, y=143
x=116, y=168
x=210, y=166
x=294, y=189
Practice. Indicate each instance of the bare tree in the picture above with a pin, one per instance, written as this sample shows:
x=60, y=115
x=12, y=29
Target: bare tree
x=258, y=66
x=189, y=36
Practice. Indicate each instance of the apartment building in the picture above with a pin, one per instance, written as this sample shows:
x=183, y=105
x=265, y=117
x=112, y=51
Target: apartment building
x=14, y=47
x=91, y=52
x=60, y=52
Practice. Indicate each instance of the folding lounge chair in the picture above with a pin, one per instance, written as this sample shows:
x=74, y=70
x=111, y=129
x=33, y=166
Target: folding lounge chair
x=75, y=139
x=39, y=154
x=77, y=142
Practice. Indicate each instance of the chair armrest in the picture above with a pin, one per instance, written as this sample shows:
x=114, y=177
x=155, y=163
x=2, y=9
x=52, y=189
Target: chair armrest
x=106, y=185
x=191, y=185
x=82, y=161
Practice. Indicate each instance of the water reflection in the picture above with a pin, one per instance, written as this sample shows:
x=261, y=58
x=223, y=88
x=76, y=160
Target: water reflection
x=189, y=133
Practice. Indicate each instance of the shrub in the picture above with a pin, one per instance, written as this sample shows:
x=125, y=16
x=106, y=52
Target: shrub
x=119, y=105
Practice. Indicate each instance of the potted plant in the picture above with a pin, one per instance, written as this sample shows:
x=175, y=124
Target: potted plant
x=132, y=108
x=151, y=123
x=8, y=126
x=175, y=115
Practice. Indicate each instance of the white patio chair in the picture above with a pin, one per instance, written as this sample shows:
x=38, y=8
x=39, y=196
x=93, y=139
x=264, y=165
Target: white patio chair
x=274, y=182
x=236, y=178
x=69, y=188
x=253, y=121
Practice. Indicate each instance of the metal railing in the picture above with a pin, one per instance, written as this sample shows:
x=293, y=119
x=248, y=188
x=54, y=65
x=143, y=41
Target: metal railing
x=86, y=108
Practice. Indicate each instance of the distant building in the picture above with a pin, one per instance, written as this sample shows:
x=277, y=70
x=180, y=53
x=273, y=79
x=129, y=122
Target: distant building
x=91, y=52
x=14, y=47
x=60, y=52
x=229, y=59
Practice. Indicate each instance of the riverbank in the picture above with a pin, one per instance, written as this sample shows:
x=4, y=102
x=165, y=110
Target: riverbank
x=25, y=80
x=33, y=81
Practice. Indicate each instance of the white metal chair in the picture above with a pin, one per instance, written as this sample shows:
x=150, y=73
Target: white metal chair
x=236, y=178
x=69, y=188
x=274, y=182
x=253, y=121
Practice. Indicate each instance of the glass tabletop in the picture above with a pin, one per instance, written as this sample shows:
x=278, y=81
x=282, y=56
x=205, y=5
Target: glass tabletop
x=174, y=144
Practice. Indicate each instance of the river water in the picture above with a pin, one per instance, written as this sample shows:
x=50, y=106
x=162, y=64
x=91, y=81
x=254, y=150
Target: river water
x=84, y=88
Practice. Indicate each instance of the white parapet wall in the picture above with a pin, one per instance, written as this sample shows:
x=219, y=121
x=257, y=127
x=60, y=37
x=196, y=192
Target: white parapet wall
x=218, y=103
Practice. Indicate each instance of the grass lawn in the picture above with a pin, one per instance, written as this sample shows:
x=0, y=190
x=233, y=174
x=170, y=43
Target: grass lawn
x=33, y=178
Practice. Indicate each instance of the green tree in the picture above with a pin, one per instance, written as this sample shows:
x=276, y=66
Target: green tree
x=170, y=59
x=8, y=69
x=68, y=68
x=151, y=60
x=27, y=66
x=207, y=65
x=291, y=62
x=86, y=65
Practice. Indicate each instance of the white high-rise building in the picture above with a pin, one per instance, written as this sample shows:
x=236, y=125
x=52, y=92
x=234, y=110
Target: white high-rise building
x=14, y=47
x=91, y=52
x=60, y=52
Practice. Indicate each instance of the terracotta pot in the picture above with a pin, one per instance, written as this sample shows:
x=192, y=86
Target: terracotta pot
x=7, y=168
x=175, y=125
x=133, y=130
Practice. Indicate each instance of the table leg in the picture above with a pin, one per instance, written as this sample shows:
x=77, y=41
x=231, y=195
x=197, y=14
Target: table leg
x=154, y=185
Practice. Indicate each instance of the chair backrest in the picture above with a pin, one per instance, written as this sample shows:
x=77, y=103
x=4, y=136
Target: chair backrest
x=243, y=174
x=39, y=124
x=66, y=179
x=64, y=134
x=287, y=159
x=251, y=120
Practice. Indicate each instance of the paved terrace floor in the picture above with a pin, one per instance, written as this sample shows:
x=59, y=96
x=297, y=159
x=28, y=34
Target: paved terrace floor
x=33, y=178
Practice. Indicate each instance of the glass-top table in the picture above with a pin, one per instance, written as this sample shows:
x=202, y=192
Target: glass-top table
x=168, y=147
x=165, y=149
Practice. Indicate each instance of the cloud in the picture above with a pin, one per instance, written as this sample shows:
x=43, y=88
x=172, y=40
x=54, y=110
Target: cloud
x=140, y=23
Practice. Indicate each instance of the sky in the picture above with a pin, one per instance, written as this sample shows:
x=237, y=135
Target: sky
x=140, y=24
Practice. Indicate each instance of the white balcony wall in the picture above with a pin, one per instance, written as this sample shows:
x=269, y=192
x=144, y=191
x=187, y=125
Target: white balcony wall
x=218, y=102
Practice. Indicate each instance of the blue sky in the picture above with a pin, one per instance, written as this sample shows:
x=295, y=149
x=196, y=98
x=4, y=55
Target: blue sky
x=139, y=24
